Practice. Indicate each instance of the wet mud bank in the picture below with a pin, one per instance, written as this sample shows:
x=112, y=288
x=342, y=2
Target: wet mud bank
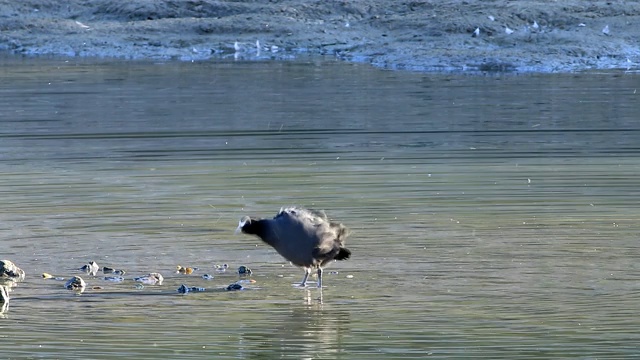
x=450, y=36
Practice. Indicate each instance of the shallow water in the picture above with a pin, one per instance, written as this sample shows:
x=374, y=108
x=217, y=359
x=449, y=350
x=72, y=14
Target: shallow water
x=492, y=217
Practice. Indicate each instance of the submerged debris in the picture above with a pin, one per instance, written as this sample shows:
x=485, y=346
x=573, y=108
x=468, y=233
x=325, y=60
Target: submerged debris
x=47, y=276
x=245, y=281
x=108, y=270
x=221, y=268
x=183, y=289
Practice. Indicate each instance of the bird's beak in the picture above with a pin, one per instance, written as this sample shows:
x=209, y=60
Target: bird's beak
x=239, y=228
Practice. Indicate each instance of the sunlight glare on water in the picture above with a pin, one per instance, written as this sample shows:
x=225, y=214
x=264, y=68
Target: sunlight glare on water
x=491, y=216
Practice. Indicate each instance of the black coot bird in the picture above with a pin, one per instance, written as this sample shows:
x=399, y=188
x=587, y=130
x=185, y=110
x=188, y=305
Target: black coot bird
x=305, y=237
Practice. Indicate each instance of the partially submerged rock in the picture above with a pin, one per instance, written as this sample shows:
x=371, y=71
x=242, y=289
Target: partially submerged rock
x=234, y=287
x=150, y=279
x=10, y=273
x=244, y=270
x=91, y=268
x=76, y=284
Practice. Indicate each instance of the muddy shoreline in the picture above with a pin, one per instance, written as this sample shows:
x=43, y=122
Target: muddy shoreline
x=531, y=36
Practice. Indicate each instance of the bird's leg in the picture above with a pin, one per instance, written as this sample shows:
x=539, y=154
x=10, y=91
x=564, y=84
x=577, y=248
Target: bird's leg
x=320, y=277
x=307, y=271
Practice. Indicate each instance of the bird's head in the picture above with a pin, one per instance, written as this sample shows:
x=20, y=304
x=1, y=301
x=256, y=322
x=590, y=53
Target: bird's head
x=244, y=221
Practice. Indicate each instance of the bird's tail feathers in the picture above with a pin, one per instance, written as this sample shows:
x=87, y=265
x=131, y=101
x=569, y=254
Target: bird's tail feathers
x=343, y=254
x=341, y=232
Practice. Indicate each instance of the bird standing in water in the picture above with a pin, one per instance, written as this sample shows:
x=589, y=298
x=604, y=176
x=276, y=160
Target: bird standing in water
x=305, y=237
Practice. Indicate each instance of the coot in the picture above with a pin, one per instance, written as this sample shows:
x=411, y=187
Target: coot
x=305, y=237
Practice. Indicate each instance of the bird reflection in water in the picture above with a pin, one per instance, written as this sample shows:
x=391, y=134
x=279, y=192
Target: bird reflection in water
x=311, y=298
x=299, y=332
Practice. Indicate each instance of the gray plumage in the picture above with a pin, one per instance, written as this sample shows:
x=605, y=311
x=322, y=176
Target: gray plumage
x=305, y=237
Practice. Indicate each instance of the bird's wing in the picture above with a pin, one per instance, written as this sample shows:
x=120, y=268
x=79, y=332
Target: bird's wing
x=304, y=215
x=295, y=222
